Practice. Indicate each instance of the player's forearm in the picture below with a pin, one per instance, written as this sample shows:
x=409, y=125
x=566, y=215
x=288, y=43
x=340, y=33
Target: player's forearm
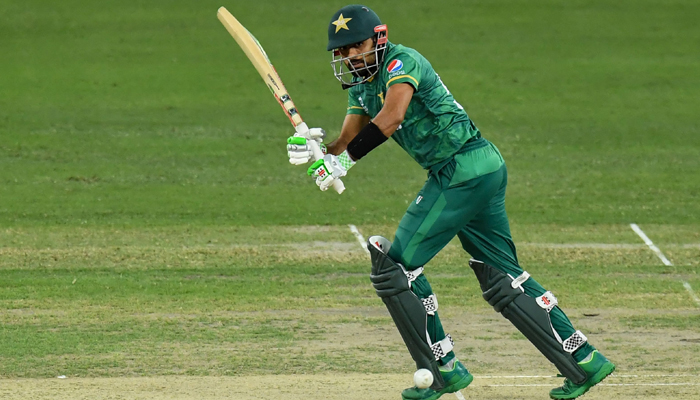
x=388, y=122
x=340, y=144
x=393, y=112
x=352, y=125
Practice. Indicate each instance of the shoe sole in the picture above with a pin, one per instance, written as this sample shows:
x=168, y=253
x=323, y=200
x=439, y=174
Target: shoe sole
x=597, y=378
x=461, y=384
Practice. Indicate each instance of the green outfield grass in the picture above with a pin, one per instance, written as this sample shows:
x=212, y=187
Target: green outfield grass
x=147, y=113
x=150, y=223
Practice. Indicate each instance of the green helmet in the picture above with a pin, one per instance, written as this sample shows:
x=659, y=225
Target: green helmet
x=349, y=25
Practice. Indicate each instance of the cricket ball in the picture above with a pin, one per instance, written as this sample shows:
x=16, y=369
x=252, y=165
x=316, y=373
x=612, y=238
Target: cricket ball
x=423, y=378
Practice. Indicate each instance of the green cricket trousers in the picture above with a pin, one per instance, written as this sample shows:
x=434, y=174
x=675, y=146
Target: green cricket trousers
x=465, y=196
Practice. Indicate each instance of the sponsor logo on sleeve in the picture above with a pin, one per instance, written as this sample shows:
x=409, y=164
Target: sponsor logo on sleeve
x=394, y=66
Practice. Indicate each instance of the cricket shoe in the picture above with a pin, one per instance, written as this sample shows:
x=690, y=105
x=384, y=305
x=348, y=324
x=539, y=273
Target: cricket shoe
x=455, y=379
x=596, y=369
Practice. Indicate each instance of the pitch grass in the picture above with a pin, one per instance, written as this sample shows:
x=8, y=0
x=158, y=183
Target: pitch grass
x=131, y=113
x=103, y=302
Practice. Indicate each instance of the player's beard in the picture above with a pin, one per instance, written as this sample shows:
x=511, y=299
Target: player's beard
x=362, y=71
x=343, y=67
x=372, y=67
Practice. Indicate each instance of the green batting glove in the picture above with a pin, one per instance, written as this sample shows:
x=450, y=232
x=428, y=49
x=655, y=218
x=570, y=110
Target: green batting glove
x=330, y=168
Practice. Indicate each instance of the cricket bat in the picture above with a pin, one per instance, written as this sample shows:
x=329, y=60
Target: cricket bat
x=252, y=48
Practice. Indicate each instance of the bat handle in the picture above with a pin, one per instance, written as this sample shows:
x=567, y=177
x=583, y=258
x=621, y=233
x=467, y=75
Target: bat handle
x=338, y=185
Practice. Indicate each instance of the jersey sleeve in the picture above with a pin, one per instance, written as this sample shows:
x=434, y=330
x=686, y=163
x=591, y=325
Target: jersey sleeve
x=354, y=105
x=402, y=68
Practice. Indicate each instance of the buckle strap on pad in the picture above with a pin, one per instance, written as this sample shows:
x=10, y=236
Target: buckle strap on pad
x=441, y=348
x=431, y=304
x=576, y=340
x=411, y=275
x=517, y=282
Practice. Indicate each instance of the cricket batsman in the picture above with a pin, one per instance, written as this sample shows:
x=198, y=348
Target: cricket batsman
x=393, y=92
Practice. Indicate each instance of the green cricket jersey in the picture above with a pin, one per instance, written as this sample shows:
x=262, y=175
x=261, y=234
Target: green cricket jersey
x=435, y=126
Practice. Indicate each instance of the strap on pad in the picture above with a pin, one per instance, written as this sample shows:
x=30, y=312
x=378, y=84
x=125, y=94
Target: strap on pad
x=441, y=348
x=431, y=304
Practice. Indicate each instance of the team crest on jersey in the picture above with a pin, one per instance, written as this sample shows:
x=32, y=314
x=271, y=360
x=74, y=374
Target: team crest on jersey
x=394, y=66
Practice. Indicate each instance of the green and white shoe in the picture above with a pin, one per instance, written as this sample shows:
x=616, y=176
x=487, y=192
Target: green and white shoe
x=455, y=379
x=596, y=368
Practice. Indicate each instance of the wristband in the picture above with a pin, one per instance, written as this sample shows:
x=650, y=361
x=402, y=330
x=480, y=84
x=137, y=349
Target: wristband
x=345, y=160
x=369, y=137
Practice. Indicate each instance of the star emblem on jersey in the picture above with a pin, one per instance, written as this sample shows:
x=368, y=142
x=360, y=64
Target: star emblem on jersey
x=341, y=23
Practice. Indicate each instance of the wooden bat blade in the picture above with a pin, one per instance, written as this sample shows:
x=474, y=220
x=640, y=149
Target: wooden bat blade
x=257, y=56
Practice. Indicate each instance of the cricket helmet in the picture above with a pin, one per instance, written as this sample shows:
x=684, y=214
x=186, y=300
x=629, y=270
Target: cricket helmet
x=353, y=24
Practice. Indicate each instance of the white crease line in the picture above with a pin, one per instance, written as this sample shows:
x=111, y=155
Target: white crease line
x=652, y=384
x=603, y=246
x=360, y=238
x=611, y=376
x=655, y=376
x=687, y=287
x=651, y=245
x=602, y=384
x=513, y=376
x=459, y=395
x=663, y=258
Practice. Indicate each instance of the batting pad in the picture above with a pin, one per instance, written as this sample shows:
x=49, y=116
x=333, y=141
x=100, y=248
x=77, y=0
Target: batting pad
x=406, y=309
x=531, y=317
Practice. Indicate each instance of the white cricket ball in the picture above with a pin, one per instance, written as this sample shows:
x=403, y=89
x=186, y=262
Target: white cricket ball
x=423, y=378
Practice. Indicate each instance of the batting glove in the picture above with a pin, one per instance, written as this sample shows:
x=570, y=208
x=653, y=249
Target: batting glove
x=298, y=149
x=330, y=168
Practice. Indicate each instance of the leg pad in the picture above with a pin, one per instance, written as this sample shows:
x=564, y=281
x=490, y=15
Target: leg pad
x=392, y=284
x=531, y=317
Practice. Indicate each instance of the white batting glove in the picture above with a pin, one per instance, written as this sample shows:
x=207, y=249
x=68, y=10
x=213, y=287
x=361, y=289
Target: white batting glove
x=299, y=151
x=330, y=168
